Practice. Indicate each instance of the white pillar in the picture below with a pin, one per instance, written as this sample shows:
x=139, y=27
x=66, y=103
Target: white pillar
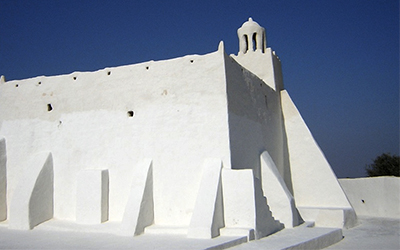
x=32, y=202
x=92, y=196
x=208, y=216
x=139, y=211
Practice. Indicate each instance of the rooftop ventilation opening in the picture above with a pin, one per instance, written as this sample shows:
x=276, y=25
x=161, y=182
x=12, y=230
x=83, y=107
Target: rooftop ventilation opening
x=49, y=107
x=130, y=113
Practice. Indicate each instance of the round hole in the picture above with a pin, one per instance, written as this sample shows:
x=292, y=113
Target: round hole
x=16, y=85
x=147, y=67
x=39, y=83
x=109, y=73
x=191, y=61
x=74, y=78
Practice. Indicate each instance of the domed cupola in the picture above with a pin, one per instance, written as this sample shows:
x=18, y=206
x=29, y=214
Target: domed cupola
x=251, y=37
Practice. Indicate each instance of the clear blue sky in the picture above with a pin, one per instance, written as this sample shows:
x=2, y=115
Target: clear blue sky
x=340, y=58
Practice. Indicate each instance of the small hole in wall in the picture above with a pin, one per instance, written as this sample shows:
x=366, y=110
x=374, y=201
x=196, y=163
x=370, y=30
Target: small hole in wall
x=147, y=67
x=16, y=85
x=74, y=78
x=191, y=61
x=39, y=83
x=49, y=107
x=130, y=113
x=109, y=73
x=363, y=201
x=266, y=102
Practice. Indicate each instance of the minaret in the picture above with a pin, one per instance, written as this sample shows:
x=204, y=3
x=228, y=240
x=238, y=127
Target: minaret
x=251, y=37
x=256, y=57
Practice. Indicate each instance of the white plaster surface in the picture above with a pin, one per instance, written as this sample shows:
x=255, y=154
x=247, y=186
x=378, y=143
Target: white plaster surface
x=92, y=196
x=279, y=199
x=139, y=211
x=314, y=182
x=257, y=62
x=301, y=237
x=317, y=189
x=371, y=233
x=255, y=120
x=208, y=215
x=329, y=217
x=239, y=201
x=374, y=196
x=153, y=124
x=251, y=37
x=32, y=203
x=180, y=118
x=56, y=234
x=3, y=179
x=244, y=204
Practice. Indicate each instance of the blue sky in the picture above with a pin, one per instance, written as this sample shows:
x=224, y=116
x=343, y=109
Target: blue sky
x=340, y=58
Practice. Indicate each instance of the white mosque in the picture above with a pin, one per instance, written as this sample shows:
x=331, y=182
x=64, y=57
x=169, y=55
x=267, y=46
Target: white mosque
x=202, y=145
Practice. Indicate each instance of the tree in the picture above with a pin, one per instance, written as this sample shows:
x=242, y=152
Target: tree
x=384, y=165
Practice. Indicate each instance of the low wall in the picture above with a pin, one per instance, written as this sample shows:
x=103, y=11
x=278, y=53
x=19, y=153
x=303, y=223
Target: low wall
x=374, y=196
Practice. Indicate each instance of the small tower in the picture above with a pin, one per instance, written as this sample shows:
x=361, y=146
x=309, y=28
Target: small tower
x=251, y=37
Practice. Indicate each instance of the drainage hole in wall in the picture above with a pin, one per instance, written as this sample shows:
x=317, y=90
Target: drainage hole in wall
x=49, y=107
x=363, y=201
x=130, y=113
x=109, y=73
x=147, y=67
x=39, y=83
x=16, y=85
x=191, y=61
x=74, y=78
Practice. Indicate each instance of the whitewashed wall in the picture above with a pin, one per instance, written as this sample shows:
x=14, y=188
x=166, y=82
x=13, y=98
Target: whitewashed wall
x=375, y=196
x=180, y=118
x=255, y=117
